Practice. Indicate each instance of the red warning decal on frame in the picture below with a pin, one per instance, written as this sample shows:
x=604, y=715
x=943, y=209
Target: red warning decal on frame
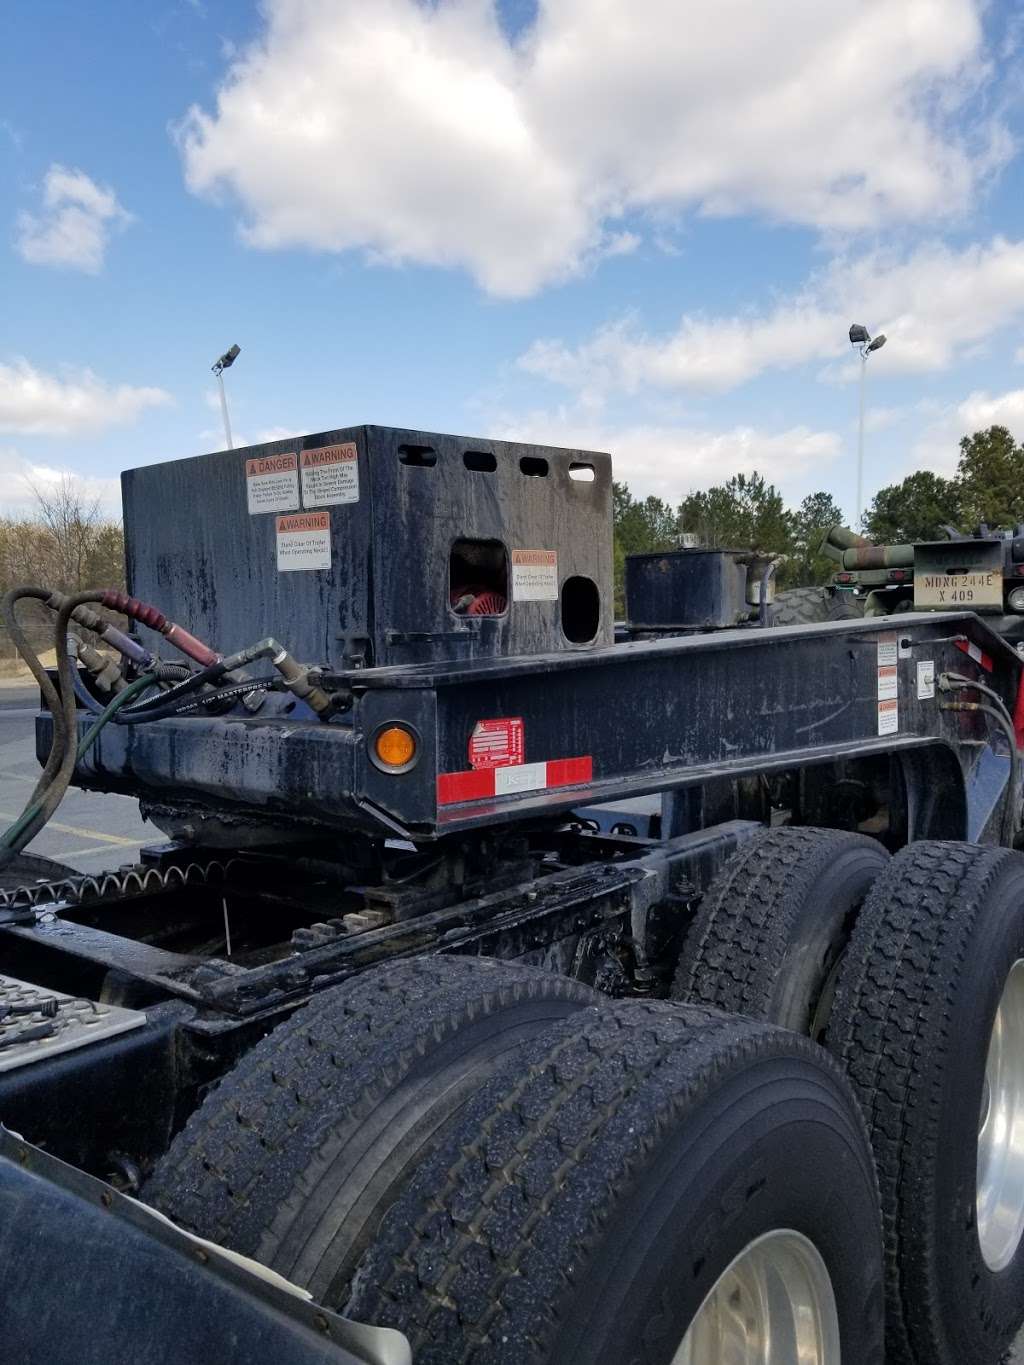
x=480, y=784
x=497, y=743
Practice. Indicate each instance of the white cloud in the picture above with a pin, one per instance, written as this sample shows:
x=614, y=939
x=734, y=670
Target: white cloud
x=670, y=460
x=35, y=403
x=421, y=133
x=20, y=478
x=76, y=222
x=934, y=305
x=938, y=447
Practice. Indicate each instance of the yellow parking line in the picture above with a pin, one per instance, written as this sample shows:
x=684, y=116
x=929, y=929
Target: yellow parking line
x=83, y=833
x=62, y=854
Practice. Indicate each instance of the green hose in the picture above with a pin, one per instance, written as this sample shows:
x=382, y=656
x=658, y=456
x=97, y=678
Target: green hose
x=11, y=835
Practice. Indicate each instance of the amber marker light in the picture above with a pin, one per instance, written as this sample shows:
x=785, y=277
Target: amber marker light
x=394, y=748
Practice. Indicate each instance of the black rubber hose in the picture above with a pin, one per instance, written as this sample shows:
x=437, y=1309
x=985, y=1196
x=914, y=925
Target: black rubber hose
x=46, y=687
x=50, y=796
x=96, y=708
x=164, y=704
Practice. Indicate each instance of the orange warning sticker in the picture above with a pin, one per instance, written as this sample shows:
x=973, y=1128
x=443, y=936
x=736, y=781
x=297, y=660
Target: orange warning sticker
x=534, y=576
x=330, y=475
x=888, y=717
x=272, y=483
x=304, y=541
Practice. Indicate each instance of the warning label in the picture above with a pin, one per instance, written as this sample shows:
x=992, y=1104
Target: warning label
x=304, y=541
x=888, y=717
x=888, y=678
x=330, y=475
x=534, y=576
x=497, y=743
x=272, y=483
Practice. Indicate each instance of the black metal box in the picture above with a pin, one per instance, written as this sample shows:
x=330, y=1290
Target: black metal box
x=687, y=589
x=370, y=546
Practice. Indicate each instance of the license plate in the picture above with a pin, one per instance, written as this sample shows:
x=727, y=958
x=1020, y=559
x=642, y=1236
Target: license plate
x=958, y=590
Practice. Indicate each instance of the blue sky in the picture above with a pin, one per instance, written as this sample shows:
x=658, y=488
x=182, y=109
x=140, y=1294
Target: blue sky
x=643, y=228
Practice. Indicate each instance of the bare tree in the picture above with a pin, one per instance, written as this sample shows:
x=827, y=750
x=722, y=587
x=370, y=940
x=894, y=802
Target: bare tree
x=69, y=545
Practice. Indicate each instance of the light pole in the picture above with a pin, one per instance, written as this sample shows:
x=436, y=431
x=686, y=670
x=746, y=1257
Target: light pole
x=223, y=363
x=861, y=338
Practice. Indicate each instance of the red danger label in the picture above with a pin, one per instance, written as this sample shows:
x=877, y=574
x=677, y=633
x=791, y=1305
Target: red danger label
x=497, y=743
x=272, y=483
x=269, y=464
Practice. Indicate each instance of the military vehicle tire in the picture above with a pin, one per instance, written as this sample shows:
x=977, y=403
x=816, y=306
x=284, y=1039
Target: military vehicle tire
x=770, y=931
x=296, y=1154
x=843, y=606
x=929, y=1024
x=655, y=1182
x=800, y=607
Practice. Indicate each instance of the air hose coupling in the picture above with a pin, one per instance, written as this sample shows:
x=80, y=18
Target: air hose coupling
x=297, y=680
x=104, y=669
x=106, y=630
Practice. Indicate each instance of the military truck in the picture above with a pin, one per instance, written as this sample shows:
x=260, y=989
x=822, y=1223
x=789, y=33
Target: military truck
x=983, y=573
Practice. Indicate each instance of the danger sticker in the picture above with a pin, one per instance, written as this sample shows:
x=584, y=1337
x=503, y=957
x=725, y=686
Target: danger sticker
x=272, y=483
x=497, y=743
x=888, y=717
x=330, y=475
x=534, y=576
x=304, y=541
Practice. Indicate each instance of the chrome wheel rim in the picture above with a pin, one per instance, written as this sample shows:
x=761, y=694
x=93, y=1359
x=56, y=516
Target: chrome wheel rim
x=774, y=1305
x=1001, y=1130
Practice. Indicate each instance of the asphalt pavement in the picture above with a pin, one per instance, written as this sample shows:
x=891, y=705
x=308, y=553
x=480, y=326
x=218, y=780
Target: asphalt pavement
x=90, y=831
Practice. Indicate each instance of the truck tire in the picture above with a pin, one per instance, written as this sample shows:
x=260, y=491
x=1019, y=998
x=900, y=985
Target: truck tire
x=843, y=606
x=589, y=1204
x=799, y=607
x=929, y=1024
x=300, y=1149
x=772, y=926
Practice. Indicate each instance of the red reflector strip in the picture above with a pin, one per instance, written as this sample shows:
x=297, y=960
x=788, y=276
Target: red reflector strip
x=480, y=784
x=978, y=655
x=474, y=785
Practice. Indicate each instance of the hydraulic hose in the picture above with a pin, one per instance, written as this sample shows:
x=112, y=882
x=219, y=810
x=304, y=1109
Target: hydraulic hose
x=50, y=796
x=41, y=676
x=136, y=715
x=34, y=816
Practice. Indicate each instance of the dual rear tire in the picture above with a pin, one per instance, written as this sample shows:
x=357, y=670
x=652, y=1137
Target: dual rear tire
x=911, y=971
x=532, y=1177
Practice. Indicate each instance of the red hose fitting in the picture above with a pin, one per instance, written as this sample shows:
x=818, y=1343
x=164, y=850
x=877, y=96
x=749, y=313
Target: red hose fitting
x=188, y=644
x=156, y=620
x=131, y=606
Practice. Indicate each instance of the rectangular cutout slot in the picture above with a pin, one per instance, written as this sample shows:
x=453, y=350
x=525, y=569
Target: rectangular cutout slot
x=421, y=457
